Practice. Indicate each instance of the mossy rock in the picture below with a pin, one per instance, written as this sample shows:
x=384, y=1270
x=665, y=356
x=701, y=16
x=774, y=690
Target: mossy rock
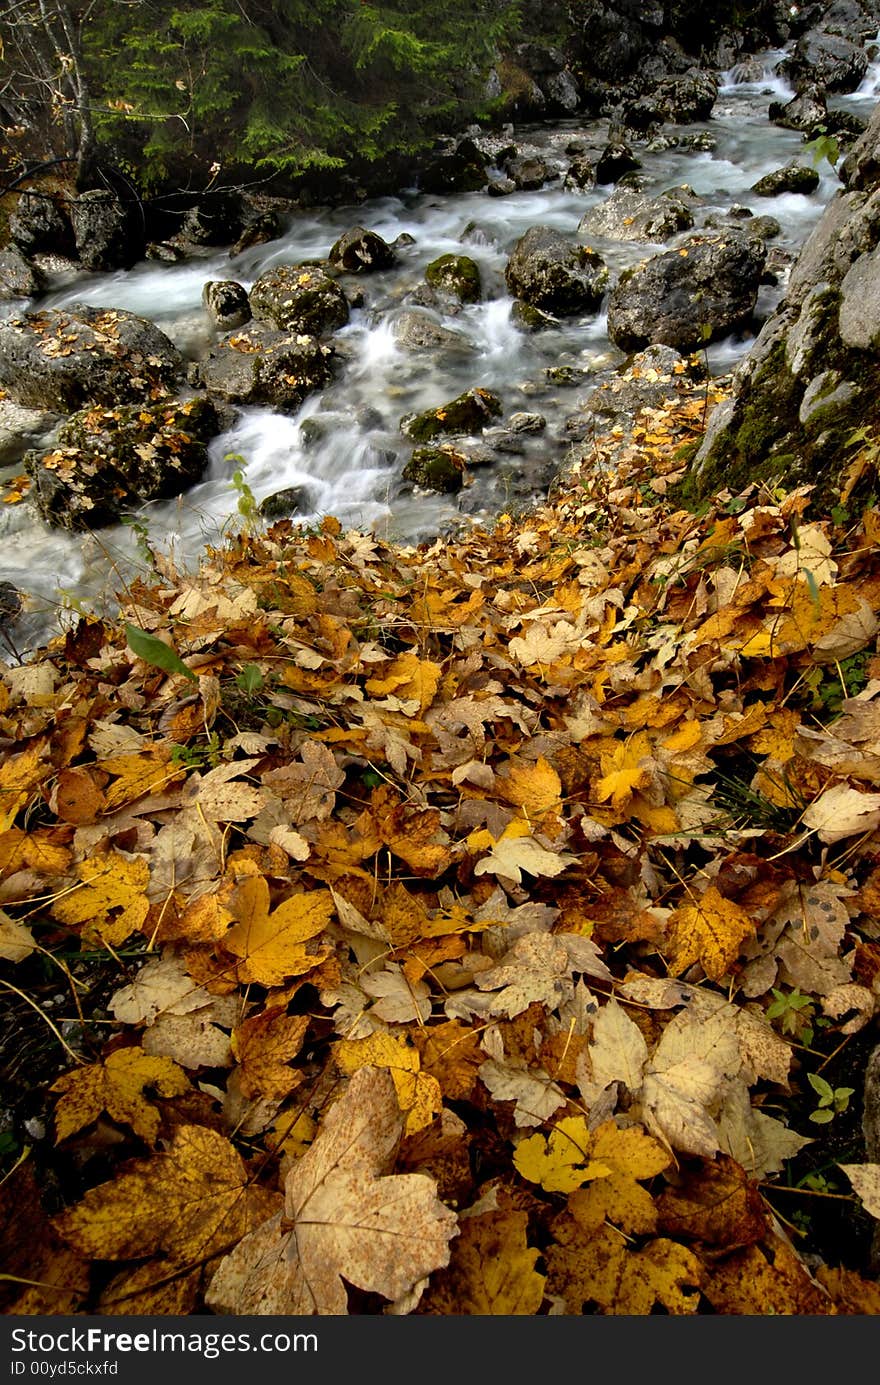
x=436, y=469
x=458, y=275
x=299, y=298
x=469, y=413
x=526, y=318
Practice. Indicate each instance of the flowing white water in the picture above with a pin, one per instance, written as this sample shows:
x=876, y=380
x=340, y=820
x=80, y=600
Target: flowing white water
x=348, y=459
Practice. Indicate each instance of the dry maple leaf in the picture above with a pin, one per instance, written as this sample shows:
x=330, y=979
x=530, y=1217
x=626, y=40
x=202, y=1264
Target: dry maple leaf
x=865, y=1179
x=492, y=1269
x=265, y=1045
x=770, y=1278
x=192, y=1202
x=710, y=930
x=272, y=945
x=514, y=853
x=349, y=1218
x=111, y=903
x=601, y=1270
x=418, y=1094
x=117, y=1086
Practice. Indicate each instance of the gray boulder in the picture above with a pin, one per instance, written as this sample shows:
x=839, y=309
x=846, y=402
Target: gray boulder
x=812, y=378
x=359, y=251
x=631, y=215
x=292, y=500
x=299, y=298
x=39, y=224
x=832, y=62
x=550, y=272
x=561, y=92
x=218, y=219
x=64, y=358
x=804, y=112
x=456, y=275
x=794, y=177
x=226, y=303
x=469, y=413
x=615, y=161
x=105, y=232
x=581, y=173
x=261, y=366
x=18, y=277
x=418, y=331
x=528, y=172
x=683, y=100
x=684, y=298
x=107, y=461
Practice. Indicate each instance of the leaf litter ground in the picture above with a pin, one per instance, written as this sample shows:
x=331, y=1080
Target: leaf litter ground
x=490, y=928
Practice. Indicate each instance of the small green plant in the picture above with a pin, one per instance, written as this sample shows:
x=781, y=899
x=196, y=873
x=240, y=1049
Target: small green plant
x=250, y=679
x=823, y=146
x=154, y=651
x=832, y=1100
x=141, y=532
x=199, y=754
x=796, y=1014
x=247, y=502
x=827, y=692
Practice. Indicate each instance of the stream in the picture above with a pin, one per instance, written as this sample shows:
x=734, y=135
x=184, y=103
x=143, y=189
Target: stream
x=343, y=450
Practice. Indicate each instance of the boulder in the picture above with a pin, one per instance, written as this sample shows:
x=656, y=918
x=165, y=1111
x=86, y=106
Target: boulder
x=501, y=187
x=581, y=173
x=261, y=366
x=550, y=272
x=462, y=169
x=528, y=172
x=418, y=331
x=456, y=275
x=64, y=358
x=469, y=413
x=105, y=233
x=647, y=380
x=561, y=92
x=683, y=100
x=812, y=379
x=615, y=161
x=631, y=215
x=18, y=277
x=108, y=461
x=217, y=219
x=690, y=296
x=40, y=224
x=527, y=319
x=299, y=298
x=359, y=251
x=226, y=303
x=794, y=177
x=436, y=469
x=804, y=112
x=825, y=59
x=258, y=230
x=10, y=604
x=292, y=500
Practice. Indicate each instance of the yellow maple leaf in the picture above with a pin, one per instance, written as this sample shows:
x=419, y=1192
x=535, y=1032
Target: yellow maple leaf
x=560, y=1162
x=535, y=788
x=408, y=676
x=711, y=931
x=601, y=1270
x=264, y=1045
x=418, y=1094
x=617, y=1196
x=491, y=1270
x=452, y=1054
x=117, y=1087
x=272, y=945
x=19, y=776
x=191, y=1201
x=136, y=775
x=629, y=766
x=111, y=903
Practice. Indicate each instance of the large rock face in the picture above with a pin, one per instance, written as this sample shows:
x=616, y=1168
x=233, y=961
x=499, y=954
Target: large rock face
x=833, y=62
x=686, y=297
x=552, y=273
x=259, y=366
x=632, y=215
x=62, y=359
x=812, y=378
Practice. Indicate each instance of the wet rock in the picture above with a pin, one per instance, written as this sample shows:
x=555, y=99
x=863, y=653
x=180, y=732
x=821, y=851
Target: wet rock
x=292, y=500
x=683, y=298
x=21, y=429
x=402, y=242
x=436, y=469
x=683, y=100
x=469, y=413
x=631, y=215
x=552, y=273
x=457, y=275
x=794, y=177
x=18, y=277
x=418, y=331
x=299, y=298
x=501, y=187
x=461, y=170
x=217, y=219
x=561, y=92
x=10, y=604
x=646, y=381
x=227, y=303
x=359, y=251
x=581, y=174
x=805, y=111
x=40, y=223
x=616, y=160
x=64, y=358
x=749, y=70
x=260, y=366
x=164, y=252
x=826, y=59
x=526, y=318
x=107, y=461
x=522, y=422
x=106, y=233
x=259, y=230
x=504, y=440
x=528, y=172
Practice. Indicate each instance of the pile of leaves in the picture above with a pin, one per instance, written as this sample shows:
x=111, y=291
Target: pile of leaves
x=490, y=927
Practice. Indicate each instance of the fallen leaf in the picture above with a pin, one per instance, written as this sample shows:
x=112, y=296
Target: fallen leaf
x=117, y=1086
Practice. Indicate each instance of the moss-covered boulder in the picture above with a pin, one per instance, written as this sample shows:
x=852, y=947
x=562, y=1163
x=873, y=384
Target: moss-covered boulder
x=806, y=400
x=360, y=251
x=794, y=177
x=469, y=413
x=259, y=366
x=107, y=461
x=457, y=275
x=299, y=298
x=436, y=469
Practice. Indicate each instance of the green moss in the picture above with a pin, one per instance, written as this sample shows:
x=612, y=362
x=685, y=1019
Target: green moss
x=435, y=469
x=456, y=274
